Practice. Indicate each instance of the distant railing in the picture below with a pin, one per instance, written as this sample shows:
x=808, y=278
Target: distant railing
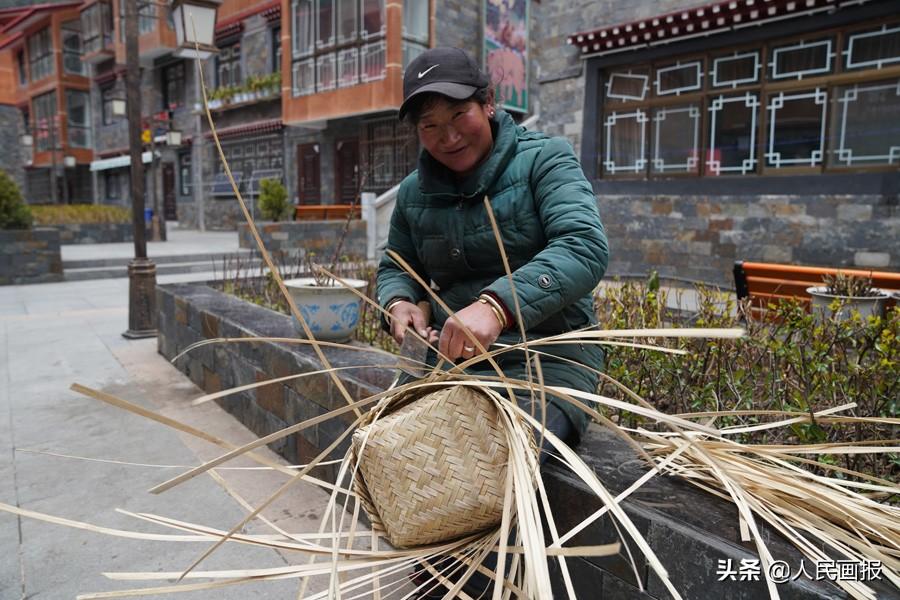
x=376, y=210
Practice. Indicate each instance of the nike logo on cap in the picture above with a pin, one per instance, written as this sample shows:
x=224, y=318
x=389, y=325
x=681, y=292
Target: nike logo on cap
x=425, y=72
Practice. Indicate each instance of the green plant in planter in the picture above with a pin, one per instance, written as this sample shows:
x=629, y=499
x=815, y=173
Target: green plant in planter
x=843, y=284
x=273, y=200
x=14, y=213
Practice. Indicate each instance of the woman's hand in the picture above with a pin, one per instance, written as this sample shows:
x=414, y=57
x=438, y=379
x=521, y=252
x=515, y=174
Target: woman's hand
x=406, y=314
x=479, y=318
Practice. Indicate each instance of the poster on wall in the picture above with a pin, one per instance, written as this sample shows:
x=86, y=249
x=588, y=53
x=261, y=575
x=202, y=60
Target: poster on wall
x=506, y=51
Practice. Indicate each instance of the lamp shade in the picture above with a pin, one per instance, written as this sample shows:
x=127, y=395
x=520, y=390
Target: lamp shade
x=195, y=26
x=173, y=138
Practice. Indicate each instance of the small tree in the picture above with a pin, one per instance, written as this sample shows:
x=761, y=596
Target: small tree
x=273, y=200
x=14, y=213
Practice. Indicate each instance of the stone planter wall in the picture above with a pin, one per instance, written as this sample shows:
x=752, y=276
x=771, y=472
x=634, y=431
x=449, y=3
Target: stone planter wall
x=301, y=237
x=691, y=532
x=94, y=233
x=188, y=313
x=30, y=256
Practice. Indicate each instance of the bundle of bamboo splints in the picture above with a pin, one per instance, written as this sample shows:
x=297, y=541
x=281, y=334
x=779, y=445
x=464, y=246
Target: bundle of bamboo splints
x=824, y=517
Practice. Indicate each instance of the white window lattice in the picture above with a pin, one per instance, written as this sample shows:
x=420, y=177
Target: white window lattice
x=861, y=38
x=326, y=74
x=348, y=67
x=304, y=76
x=623, y=79
x=721, y=61
x=372, y=58
x=693, y=67
x=844, y=152
x=612, y=162
x=748, y=164
x=691, y=159
x=776, y=103
x=803, y=46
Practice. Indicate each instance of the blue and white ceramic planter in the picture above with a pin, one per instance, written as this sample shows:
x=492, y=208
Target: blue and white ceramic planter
x=331, y=312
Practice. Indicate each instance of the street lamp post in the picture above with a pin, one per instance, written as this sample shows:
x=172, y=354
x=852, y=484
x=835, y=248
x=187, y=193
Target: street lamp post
x=141, y=270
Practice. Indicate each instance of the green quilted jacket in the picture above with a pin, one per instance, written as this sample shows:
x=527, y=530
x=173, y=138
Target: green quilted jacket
x=548, y=219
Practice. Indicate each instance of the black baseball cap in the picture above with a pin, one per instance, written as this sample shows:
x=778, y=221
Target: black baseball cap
x=447, y=71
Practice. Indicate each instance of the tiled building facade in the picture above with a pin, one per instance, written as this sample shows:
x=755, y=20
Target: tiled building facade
x=679, y=190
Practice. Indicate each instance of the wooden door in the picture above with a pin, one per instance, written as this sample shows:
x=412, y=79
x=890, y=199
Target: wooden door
x=170, y=209
x=346, y=172
x=308, y=175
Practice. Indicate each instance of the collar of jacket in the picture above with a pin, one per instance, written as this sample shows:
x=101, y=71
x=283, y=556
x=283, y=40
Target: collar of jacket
x=437, y=180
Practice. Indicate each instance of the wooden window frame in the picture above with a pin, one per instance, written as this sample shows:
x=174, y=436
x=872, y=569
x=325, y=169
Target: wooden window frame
x=173, y=75
x=45, y=56
x=765, y=87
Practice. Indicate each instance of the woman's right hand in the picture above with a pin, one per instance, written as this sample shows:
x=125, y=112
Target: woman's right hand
x=406, y=314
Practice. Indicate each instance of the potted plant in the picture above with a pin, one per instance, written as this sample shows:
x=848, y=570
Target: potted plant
x=273, y=200
x=330, y=309
x=844, y=293
x=215, y=99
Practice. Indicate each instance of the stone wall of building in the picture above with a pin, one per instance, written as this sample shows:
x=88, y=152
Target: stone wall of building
x=700, y=237
x=12, y=156
x=302, y=237
x=559, y=71
x=30, y=256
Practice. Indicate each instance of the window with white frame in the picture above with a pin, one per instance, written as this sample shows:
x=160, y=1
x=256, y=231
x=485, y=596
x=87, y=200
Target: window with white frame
x=276, y=50
x=46, y=123
x=96, y=27
x=107, y=95
x=71, y=44
x=78, y=113
x=228, y=65
x=416, y=17
x=812, y=103
x=40, y=54
x=173, y=86
x=184, y=174
x=336, y=44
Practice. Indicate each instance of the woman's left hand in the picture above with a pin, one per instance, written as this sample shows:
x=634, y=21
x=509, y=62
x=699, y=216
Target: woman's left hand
x=480, y=320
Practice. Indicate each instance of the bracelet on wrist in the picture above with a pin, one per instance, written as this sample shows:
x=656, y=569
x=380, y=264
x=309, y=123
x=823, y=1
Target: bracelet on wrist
x=390, y=305
x=497, y=310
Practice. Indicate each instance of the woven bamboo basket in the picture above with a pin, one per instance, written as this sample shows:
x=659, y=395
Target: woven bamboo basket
x=434, y=468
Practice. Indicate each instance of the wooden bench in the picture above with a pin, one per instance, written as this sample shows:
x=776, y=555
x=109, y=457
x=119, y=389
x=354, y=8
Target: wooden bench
x=326, y=212
x=769, y=283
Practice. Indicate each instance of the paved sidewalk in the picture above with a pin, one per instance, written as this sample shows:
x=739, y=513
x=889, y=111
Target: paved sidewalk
x=53, y=335
x=179, y=242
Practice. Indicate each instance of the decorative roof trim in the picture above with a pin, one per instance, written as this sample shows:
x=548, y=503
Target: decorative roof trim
x=226, y=31
x=258, y=127
x=239, y=17
x=28, y=11
x=700, y=21
x=273, y=13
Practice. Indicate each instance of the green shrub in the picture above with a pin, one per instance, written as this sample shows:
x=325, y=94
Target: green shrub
x=791, y=362
x=273, y=200
x=14, y=213
x=64, y=214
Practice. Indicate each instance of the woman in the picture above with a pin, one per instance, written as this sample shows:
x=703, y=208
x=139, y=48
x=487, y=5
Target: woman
x=547, y=217
x=546, y=213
